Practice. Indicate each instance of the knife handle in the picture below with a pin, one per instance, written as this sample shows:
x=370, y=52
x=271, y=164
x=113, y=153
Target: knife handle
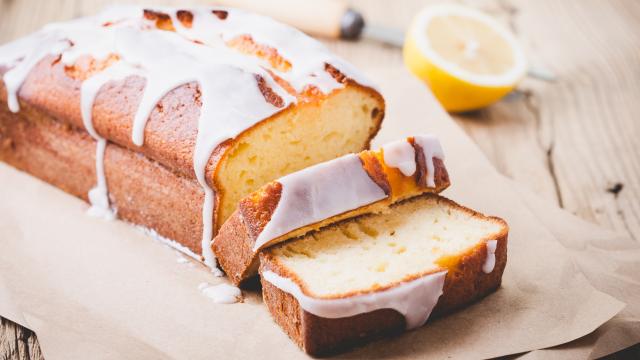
x=328, y=18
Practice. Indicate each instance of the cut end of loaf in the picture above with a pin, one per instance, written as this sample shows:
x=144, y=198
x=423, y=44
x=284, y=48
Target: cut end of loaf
x=313, y=132
x=359, y=264
x=415, y=237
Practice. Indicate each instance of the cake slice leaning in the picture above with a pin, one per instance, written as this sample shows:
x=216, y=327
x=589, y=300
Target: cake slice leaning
x=323, y=194
x=382, y=273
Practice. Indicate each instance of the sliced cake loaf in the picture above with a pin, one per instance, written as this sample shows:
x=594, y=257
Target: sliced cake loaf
x=167, y=117
x=324, y=194
x=382, y=273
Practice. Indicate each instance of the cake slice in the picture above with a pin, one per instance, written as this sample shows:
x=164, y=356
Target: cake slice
x=382, y=273
x=324, y=194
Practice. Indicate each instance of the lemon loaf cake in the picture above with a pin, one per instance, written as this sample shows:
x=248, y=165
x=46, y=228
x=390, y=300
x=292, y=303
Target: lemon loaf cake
x=383, y=273
x=325, y=193
x=167, y=117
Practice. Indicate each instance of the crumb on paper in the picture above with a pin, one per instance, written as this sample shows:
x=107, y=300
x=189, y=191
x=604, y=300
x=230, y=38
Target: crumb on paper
x=217, y=272
x=615, y=188
x=222, y=293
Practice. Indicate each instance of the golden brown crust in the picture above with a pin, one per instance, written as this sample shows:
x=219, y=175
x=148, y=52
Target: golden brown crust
x=336, y=74
x=465, y=283
x=246, y=45
x=171, y=131
x=319, y=336
x=233, y=245
x=162, y=20
x=373, y=165
x=269, y=95
x=143, y=191
x=185, y=17
x=221, y=14
x=259, y=207
x=233, y=258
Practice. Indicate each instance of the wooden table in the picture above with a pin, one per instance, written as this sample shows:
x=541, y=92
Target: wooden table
x=574, y=141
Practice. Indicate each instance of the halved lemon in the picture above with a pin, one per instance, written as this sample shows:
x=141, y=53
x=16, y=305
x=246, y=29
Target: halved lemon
x=467, y=58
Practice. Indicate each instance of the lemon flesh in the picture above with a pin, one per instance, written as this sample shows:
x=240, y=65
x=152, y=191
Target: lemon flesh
x=467, y=59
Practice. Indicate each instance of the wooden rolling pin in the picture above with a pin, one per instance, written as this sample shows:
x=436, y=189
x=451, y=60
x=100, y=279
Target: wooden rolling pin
x=327, y=18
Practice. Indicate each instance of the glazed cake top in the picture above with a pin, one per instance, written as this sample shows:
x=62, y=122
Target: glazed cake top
x=247, y=67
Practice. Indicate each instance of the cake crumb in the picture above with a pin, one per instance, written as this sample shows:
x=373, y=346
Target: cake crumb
x=615, y=188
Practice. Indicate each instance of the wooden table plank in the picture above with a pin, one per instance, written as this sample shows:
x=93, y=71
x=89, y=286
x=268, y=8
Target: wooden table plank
x=573, y=141
x=585, y=121
x=17, y=342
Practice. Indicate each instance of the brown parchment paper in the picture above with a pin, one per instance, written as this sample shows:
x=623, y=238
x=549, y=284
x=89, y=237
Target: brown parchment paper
x=103, y=290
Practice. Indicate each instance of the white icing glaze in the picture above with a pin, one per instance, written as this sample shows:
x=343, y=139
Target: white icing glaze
x=168, y=60
x=182, y=260
x=22, y=55
x=413, y=299
x=221, y=293
x=432, y=149
x=170, y=243
x=336, y=186
x=490, y=261
x=99, y=195
x=400, y=155
x=319, y=192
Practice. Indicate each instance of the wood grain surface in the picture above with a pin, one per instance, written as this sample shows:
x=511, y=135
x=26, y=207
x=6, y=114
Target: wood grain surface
x=575, y=141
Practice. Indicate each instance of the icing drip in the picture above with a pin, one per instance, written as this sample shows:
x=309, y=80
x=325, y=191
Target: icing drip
x=319, y=192
x=490, y=261
x=207, y=230
x=155, y=89
x=168, y=59
x=401, y=155
x=210, y=134
x=23, y=55
x=170, y=243
x=432, y=149
x=222, y=293
x=413, y=299
x=99, y=195
x=183, y=260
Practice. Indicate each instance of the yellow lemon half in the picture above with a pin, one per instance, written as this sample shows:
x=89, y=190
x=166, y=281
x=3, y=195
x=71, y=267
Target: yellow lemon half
x=468, y=60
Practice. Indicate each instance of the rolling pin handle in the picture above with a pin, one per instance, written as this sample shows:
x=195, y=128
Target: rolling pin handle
x=351, y=25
